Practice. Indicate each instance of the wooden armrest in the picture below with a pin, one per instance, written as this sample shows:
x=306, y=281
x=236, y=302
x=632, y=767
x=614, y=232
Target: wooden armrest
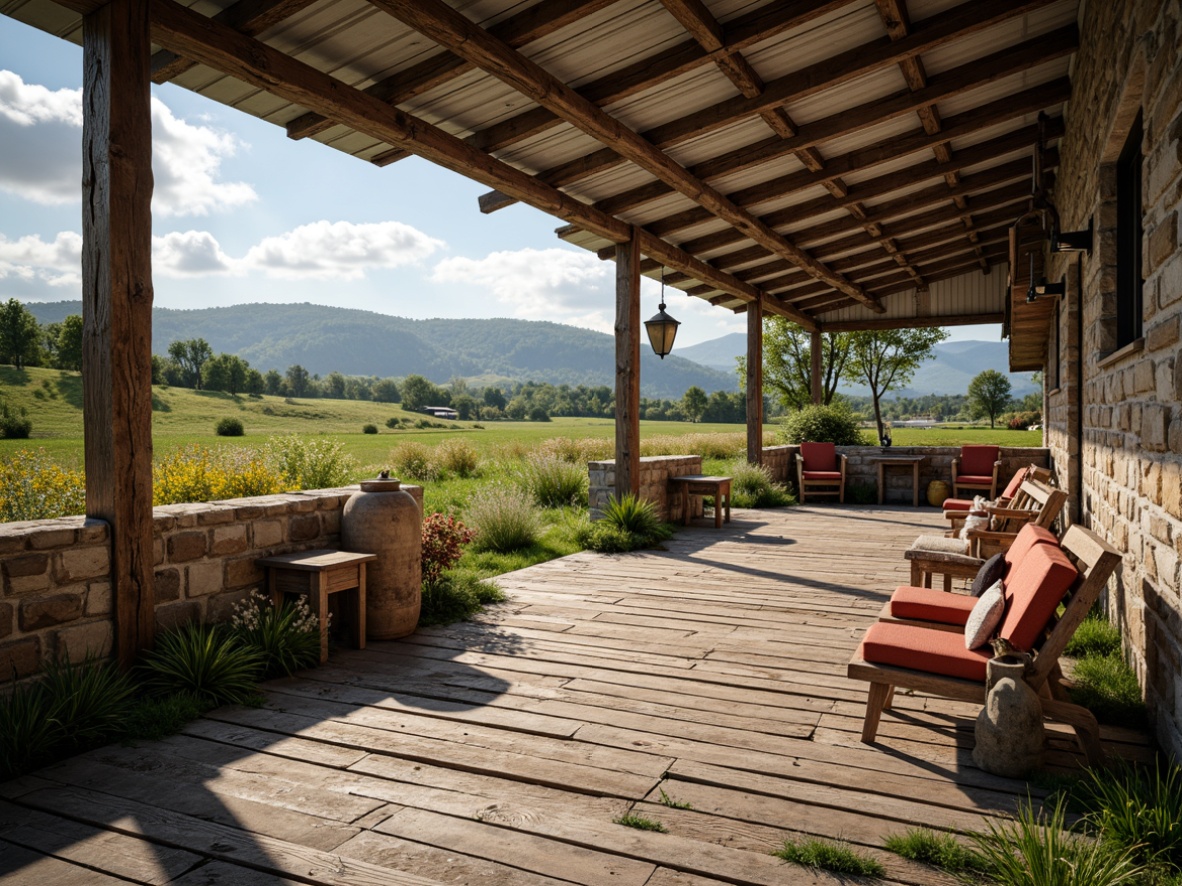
x=1013, y=513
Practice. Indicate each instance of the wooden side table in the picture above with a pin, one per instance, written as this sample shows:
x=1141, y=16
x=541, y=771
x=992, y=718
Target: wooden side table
x=699, y=484
x=318, y=574
x=912, y=461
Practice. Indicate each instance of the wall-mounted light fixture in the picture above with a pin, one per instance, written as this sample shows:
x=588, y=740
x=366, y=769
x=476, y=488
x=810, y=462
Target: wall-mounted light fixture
x=1043, y=289
x=1073, y=241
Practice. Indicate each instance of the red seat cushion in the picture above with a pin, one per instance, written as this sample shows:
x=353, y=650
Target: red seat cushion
x=821, y=475
x=1028, y=536
x=819, y=456
x=1015, y=482
x=1034, y=587
x=924, y=649
x=928, y=604
x=975, y=479
x=978, y=459
x=958, y=504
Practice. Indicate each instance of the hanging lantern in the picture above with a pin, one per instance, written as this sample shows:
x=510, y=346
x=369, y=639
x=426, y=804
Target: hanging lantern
x=662, y=328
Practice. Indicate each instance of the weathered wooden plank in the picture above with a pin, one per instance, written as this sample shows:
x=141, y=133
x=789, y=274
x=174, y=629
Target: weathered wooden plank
x=221, y=873
x=21, y=865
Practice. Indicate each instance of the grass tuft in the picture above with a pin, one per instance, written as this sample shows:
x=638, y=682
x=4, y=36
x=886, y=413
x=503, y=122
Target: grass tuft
x=666, y=800
x=454, y=596
x=1095, y=636
x=754, y=487
x=828, y=855
x=639, y=822
x=1138, y=809
x=937, y=850
x=1107, y=686
x=505, y=519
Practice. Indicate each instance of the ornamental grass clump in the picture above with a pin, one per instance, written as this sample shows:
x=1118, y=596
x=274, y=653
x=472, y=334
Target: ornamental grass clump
x=414, y=461
x=628, y=523
x=827, y=855
x=287, y=637
x=554, y=483
x=35, y=487
x=204, y=661
x=505, y=519
x=1138, y=808
x=457, y=457
x=754, y=487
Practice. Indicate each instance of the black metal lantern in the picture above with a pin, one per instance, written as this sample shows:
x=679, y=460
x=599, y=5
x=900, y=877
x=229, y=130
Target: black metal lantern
x=662, y=328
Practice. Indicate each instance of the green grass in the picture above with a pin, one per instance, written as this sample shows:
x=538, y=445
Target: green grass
x=828, y=855
x=1107, y=686
x=1096, y=635
x=937, y=850
x=639, y=822
x=666, y=800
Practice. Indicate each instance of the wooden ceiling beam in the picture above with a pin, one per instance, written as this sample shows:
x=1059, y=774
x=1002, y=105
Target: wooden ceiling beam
x=250, y=17
x=211, y=43
x=956, y=23
x=462, y=36
x=914, y=322
x=532, y=23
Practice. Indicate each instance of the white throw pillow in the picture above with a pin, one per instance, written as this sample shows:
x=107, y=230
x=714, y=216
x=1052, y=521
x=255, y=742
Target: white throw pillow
x=985, y=617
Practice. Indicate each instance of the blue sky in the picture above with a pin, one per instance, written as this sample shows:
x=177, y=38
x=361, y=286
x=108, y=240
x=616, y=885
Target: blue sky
x=243, y=214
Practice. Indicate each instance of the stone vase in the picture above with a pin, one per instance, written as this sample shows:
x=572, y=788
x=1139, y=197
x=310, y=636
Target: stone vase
x=384, y=519
x=1009, y=731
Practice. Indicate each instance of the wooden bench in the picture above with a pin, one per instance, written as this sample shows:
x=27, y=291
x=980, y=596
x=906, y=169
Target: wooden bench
x=699, y=484
x=317, y=574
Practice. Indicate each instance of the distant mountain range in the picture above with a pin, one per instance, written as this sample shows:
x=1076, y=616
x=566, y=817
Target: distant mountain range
x=323, y=339
x=949, y=372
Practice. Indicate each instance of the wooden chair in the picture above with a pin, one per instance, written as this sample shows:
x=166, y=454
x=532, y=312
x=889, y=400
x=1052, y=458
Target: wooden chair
x=976, y=468
x=819, y=468
x=954, y=506
x=1036, y=504
x=948, y=670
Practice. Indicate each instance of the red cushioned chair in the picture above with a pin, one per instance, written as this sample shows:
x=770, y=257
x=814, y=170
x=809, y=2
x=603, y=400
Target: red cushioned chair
x=933, y=659
x=820, y=470
x=958, y=506
x=976, y=469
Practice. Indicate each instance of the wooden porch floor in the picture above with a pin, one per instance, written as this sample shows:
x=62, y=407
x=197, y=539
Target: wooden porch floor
x=498, y=753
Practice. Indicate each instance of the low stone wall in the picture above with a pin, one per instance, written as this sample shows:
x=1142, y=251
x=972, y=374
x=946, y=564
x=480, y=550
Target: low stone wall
x=655, y=471
x=56, y=593
x=781, y=462
x=937, y=465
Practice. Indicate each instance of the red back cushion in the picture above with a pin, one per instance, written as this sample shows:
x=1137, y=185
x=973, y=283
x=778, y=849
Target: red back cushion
x=1034, y=587
x=1028, y=536
x=1012, y=487
x=819, y=456
x=978, y=459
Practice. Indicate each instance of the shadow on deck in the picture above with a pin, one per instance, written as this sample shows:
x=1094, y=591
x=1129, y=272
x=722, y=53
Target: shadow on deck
x=710, y=674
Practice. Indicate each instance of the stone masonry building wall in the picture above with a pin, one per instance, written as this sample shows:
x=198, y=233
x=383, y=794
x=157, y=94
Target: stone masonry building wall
x=55, y=585
x=1114, y=413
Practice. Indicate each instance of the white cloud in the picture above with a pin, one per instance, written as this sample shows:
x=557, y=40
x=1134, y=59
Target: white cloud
x=41, y=130
x=339, y=250
x=31, y=259
x=541, y=284
x=189, y=254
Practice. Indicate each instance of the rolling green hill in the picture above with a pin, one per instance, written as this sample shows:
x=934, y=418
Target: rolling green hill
x=323, y=339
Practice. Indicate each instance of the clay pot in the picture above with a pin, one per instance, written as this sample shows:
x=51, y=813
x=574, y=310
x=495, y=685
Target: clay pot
x=1009, y=731
x=937, y=493
x=384, y=519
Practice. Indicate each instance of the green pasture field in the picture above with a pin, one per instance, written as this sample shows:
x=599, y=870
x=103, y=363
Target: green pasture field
x=182, y=417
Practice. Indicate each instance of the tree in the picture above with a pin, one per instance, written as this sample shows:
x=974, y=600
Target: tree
x=19, y=334
x=989, y=394
x=417, y=392
x=273, y=382
x=66, y=344
x=887, y=358
x=385, y=391
x=494, y=397
x=334, y=386
x=788, y=367
x=255, y=384
x=225, y=372
x=297, y=379
x=694, y=402
x=190, y=356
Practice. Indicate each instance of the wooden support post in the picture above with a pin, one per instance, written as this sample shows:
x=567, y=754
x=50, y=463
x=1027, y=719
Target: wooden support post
x=628, y=366
x=117, y=305
x=815, y=367
x=755, y=382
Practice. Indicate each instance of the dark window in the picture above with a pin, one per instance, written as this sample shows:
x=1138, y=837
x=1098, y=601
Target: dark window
x=1128, y=239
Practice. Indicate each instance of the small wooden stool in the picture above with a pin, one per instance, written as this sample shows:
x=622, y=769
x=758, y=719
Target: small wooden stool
x=699, y=484
x=318, y=574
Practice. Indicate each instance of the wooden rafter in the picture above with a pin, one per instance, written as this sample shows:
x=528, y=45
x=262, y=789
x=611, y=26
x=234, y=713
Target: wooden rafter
x=453, y=30
x=954, y=24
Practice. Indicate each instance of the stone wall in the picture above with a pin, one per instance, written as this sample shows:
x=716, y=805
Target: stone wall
x=781, y=461
x=55, y=596
x=655, y=471
x=1114, y=424
x=937, y=465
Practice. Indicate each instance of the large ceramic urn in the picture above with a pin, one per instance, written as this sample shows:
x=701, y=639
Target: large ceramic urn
x=1009, y=731
x=384, y=519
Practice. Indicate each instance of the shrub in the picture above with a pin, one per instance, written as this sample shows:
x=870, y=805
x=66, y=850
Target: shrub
x=310, y=464
x=412, y=459
x=369, y=429
x=1138, y=809
x=196, y=473
x=829, y=856
x=35, y=487
x=454, y=597
x=287, y=637
x=628, y=523
x=604, y=538
x=1020, y=421
x=822, y=424
x=205, y=661
x=753, y=487
x=14, y=422
x=505, y=519
x=553, y=482
x=444, y=538
x=393, y=422
x=229, y=427
x=455, y=456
